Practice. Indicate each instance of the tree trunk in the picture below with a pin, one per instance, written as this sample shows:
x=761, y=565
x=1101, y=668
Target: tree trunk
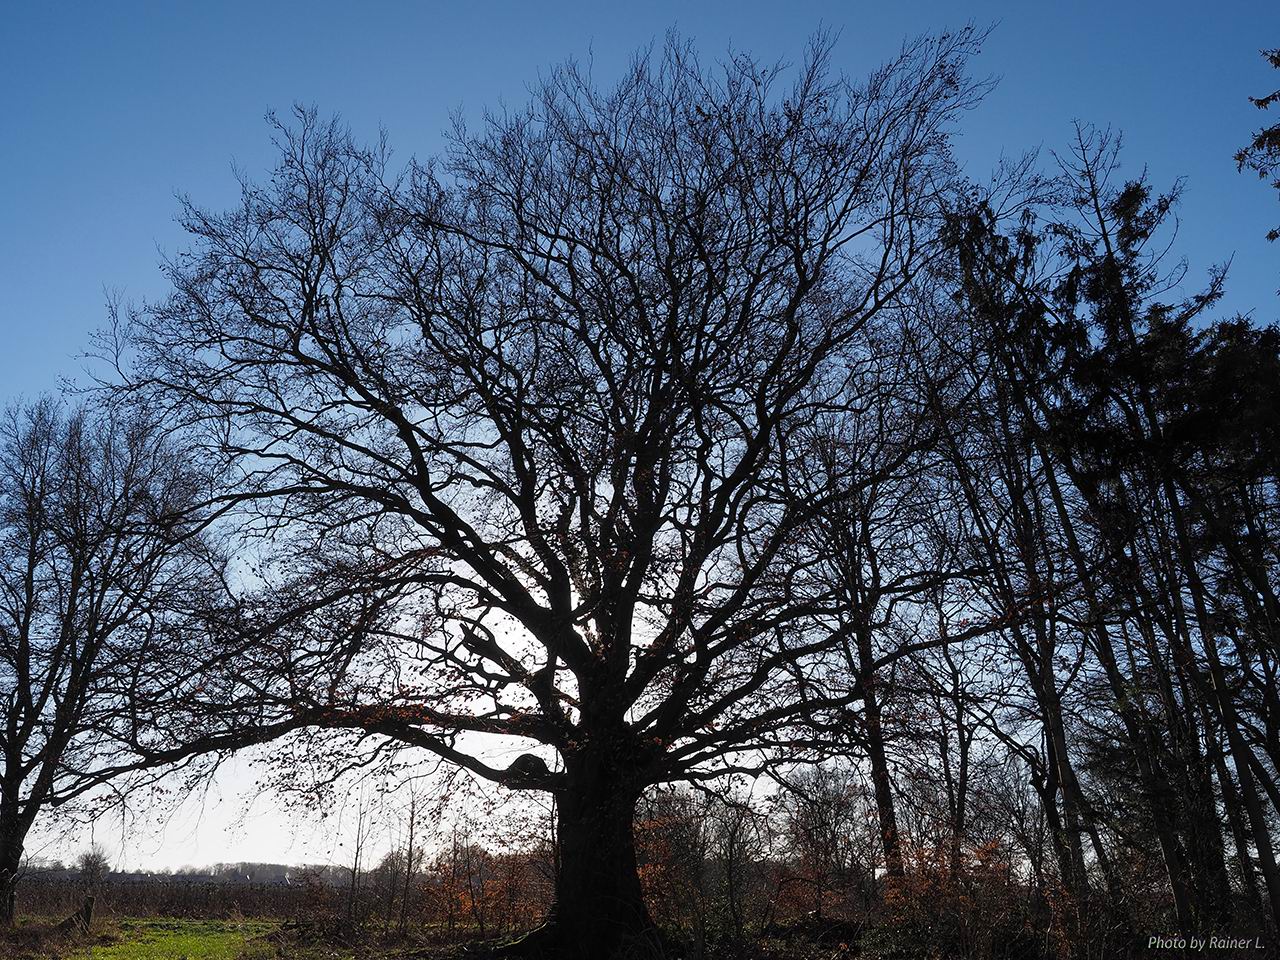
x=881, y=781
x=599, y=910
x=11, y=845
x=599, y=905
x=1239, y=833
x=883, y=785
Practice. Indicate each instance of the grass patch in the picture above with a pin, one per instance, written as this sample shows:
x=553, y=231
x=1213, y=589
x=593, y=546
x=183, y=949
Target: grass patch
x=173, y=940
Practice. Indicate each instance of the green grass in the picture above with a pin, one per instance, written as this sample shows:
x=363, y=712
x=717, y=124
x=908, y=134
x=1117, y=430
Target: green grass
x=176, y=940
x=166, y=939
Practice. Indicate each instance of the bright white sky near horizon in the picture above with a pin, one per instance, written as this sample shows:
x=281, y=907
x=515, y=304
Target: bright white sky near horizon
x=108, y=110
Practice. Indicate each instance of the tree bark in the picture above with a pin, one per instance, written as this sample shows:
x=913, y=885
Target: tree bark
x=11, y=846
x=881, y=780
x=599, y=910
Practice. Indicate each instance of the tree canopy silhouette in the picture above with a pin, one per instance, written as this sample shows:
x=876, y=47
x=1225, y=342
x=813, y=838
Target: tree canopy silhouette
x=539, y=403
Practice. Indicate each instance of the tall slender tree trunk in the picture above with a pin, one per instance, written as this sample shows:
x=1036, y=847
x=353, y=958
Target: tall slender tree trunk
x=409, y=862
x=1239, y=832
x=881, y=781
x=1071, y=863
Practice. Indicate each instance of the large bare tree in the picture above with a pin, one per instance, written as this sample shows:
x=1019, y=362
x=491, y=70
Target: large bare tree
x=544, y=394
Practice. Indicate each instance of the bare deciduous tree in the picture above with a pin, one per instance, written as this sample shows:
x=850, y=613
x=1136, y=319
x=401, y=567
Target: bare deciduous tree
x=546, y=394
x=102, y=567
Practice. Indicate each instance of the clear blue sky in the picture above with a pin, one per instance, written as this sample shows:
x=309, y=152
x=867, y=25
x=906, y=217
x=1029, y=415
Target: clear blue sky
x=109, y=108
